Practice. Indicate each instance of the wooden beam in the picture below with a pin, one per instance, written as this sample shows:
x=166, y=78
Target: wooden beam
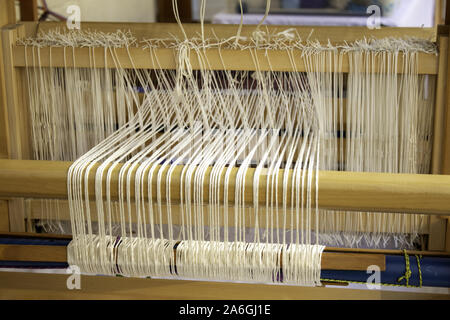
x=16, y=114
x=446, y=119
x=440, y=107
x=335, y=34
x=36, y=253
x=330, y=260
x=438, y=12
x=437, y=226
x=4, y=216
x=358, y=191
x=19, y=285
x=49, y=236
x=222, y=59
x=28, y=10
x=48, y=211
x=447, y=12
x=7, y=16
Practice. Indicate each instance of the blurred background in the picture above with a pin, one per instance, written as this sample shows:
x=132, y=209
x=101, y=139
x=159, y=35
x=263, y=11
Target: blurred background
x=398, y=13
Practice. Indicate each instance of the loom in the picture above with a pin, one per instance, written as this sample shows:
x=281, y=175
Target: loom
x=29, y=175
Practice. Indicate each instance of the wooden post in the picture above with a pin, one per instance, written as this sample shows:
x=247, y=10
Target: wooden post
x=7, y=16
x=447, y=12
x=17, y=128
x=438, y=226
x=28, y=10
x=338, y=190
x=439, y=12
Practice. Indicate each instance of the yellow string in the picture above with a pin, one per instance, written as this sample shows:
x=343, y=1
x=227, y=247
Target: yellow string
x=408, y=272
x=420, y=270
x=406, y=276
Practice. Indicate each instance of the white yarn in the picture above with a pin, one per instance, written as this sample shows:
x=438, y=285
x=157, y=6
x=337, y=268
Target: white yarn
x=218, y=125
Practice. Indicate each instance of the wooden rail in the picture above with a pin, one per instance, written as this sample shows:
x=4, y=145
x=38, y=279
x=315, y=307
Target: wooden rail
x=223, y=59
x=353, y=191
x=330, y=260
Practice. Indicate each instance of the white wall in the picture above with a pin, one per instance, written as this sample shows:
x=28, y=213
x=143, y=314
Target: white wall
x=109, y=10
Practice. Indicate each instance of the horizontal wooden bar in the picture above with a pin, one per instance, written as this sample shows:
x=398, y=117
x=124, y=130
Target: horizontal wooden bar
x=330, y=260
x=352, y=191
x=323, y=34
x=234, y=59
x=50, y=236
x=55, y=212
x=166, y=58
x=35, y=253
x=20, y=285
x=31, y=235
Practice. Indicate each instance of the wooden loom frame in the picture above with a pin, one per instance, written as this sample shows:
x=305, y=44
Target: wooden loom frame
x=394, y=193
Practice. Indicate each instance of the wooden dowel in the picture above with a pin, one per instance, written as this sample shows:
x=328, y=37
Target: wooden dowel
x=437, y=226
x=36, y=253
x=353, y=191
x=38, y=210
x=277, y=60
x=330, y=260
x=439, y=112
x=323, y=34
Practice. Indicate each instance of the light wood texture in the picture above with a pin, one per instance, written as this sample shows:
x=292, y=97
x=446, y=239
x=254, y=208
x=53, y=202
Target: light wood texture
x=16, y=108
x=330, y=260
x=437, y=226
x=277, y=60
x=373, y=192
x=7, y=16
x=59, y=212
x=29, y=235
x=335, y=34
x=439, y=12
x=16, y=212
x=17, y=120
x=446, y=148
x=234, y=59
x=53, y=286
x=440, y=107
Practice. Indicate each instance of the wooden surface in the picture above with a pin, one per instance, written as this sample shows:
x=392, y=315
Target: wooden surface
x=17, y=285
x=4, y=216
x=336, y=34
x=446, y=149
x=16, y=113
x=440, y=107
x=447, y=12
x=29, y=235
x=7, y=16
x=330, y=260
x=223, y=59
x=29, y=10
x=373, y=192
x=437, y=226
x=16, y=119
x=11, y=252
x=45, y=211
x=447, y=238
x=234, y=59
